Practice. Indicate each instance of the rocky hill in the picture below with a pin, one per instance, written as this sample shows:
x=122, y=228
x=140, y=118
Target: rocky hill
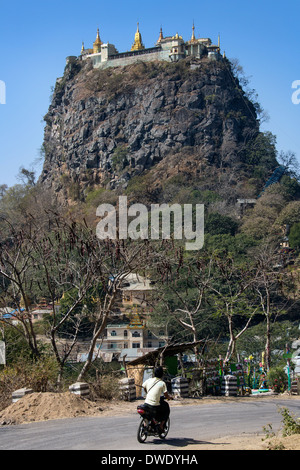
x=189, y=120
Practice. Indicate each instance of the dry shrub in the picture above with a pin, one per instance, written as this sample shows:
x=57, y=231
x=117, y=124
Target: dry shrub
x=40, y=376
x=10, y=380
x=106, y=388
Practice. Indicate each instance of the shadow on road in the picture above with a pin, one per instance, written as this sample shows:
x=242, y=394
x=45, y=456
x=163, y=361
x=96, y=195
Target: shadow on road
x=180, y=442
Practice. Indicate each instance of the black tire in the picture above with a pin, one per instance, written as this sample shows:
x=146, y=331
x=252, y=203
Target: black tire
x=164, y=434
x=142, y=432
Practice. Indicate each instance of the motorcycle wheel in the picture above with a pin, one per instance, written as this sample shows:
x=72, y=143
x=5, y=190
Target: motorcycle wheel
x=164, y=433
x=142, y=432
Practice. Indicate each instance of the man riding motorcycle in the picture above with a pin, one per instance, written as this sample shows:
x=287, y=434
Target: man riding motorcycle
x=155, y=388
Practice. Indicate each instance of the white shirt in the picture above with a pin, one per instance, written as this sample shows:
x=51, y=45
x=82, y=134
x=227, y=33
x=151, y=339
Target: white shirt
x=158, y=388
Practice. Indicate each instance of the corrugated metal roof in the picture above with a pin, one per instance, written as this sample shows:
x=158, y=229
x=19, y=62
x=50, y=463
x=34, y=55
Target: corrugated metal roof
x=170, y=350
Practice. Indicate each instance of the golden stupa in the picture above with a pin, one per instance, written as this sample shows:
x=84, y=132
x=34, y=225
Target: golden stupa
x=138, y=44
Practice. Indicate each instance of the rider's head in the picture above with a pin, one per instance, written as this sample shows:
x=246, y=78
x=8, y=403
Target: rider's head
x=159, y=372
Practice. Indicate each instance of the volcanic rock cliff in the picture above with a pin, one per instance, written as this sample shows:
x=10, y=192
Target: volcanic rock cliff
x=105, y=127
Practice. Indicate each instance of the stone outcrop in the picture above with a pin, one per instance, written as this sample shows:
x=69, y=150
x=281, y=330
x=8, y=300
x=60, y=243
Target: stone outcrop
x=105, y=126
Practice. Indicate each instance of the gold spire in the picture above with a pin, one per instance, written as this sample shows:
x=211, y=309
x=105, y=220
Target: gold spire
x=97, y=44
x=82, y=48
x=193, y=38
x=161, y=36
x=137, y=45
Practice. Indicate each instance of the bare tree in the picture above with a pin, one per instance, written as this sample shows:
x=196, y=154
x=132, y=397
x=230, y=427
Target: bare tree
x=232, y=285
x=48, y=258
x=119, y=259
x=54, y=258
x=122, y=257
x=274, y=286
x=289, y=161
x=15, y=263
x=183, y=294
x=68, y=266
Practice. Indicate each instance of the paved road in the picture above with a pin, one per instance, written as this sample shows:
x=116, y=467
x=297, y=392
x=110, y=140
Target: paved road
x=189, y=425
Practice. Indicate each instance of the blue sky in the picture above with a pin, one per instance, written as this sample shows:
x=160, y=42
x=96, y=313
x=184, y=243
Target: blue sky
x=37, y=36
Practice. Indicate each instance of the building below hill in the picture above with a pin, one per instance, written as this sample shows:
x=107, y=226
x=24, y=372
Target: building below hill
x=169, y=48
x=129, y=334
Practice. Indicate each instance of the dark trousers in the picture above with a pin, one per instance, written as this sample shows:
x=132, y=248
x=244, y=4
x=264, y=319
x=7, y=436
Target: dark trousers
x=161, y=412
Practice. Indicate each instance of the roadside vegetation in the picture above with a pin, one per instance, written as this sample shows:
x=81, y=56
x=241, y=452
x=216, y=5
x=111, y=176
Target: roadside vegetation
x=290, y=428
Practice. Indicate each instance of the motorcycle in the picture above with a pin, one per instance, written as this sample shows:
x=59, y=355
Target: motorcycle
x=149, y=426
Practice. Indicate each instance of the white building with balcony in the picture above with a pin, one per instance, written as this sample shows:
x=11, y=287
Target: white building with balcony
x=132, y=332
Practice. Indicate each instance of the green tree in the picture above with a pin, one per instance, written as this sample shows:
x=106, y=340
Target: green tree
x=218, y=224
x=15, y=343
x=119, y=158
x=277, y=379
x=290, y=214
x=291, y=187
x=261, y=153
x=294, y=236
x=261, y=222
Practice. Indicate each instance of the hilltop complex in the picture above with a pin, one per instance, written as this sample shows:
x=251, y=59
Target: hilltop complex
x=170, y=49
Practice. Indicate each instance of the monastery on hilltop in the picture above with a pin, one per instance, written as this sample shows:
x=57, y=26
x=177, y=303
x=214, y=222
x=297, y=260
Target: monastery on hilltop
x=170, y=49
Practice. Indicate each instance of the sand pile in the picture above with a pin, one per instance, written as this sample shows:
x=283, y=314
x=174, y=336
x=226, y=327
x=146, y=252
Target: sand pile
x=44, y=406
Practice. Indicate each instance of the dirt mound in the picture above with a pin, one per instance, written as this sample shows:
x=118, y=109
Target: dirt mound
x=44, y=406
